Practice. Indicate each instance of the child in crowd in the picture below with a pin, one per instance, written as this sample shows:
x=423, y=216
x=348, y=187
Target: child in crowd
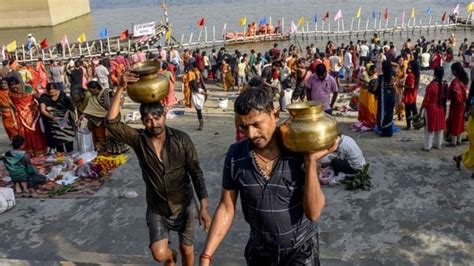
x=22, y=172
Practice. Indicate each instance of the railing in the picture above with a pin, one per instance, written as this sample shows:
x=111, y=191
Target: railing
x=204, y=40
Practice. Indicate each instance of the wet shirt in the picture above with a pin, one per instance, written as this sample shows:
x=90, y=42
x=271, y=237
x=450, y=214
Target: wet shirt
x=274, y=207
x=168, y=186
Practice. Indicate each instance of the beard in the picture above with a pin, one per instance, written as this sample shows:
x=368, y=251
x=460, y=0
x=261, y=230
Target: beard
x=155, y=131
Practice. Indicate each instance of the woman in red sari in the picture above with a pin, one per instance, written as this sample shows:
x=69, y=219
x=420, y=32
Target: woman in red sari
x=7, y=110
x=433, y=103
x=27, y=115
x=457, y=93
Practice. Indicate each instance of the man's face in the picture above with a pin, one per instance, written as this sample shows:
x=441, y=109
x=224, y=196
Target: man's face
x=155, y=124
x=258, y=127
x=322, y=77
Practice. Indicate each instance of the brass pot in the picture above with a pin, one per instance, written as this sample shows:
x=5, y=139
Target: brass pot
x=151, y=86
x=309, y=128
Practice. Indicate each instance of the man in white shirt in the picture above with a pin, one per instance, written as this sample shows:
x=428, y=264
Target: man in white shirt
x=364, y=53
x=348, y=64
x=102, y=75
x=425, y=59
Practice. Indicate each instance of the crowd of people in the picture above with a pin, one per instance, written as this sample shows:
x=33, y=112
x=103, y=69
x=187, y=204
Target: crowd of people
x=42, y=108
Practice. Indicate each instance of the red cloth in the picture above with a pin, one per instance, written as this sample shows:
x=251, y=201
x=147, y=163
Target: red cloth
x=314, y=64
x=436, y=62
x=409, y=94
x=199, y=62
x=28, y=122
x=434, y=111
x=457, y=94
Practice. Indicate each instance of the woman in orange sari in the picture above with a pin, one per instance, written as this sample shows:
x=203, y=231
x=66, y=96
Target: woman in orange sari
x=27, y=115
x=367, y=99
x=400, y=76
x=187, y=77
x=7, y=110
x=42, y=76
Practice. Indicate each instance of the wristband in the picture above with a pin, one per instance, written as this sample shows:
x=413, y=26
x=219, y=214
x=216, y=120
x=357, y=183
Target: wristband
x=205, y=256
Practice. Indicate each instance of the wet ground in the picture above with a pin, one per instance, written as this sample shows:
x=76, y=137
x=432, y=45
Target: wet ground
x=419, y=212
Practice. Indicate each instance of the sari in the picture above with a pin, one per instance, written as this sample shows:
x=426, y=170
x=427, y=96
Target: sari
x=386, y=102
x=170, y=99
x=63, y=130
x=399, y=106
x=8, y=115
x=27, y=115
x=367, y=104
x=188, y=76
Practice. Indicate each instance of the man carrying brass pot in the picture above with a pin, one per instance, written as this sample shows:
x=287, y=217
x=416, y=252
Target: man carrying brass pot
x=167, y=158
x=280, y=192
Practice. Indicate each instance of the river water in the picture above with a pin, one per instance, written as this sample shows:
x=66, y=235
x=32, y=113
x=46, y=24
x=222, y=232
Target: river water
x=118, y=15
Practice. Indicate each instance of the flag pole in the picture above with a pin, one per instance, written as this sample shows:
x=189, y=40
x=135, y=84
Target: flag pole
x=205, y=34
x=352, y=23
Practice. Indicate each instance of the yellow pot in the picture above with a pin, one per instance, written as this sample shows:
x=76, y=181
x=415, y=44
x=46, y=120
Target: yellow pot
x=151, y=86
x=309, y=128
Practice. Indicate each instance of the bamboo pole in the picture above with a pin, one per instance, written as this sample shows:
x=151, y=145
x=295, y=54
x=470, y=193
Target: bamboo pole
x=352, y=24
x=205, y=34
x=108, y=44
x=199, y=36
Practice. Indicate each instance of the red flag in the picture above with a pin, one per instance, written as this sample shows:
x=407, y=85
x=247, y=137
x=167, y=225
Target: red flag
x=443, y=18
x=326, y=16
x=44, y=43
x=201, y=22
x=385, y=14
x=124, y=35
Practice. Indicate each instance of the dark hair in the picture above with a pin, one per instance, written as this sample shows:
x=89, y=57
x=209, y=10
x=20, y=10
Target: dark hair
x=320, y=70
x=459, y=72
x=151, y=108
x=50, y=86
x=438, y=75
x=17, y=141
x=255, y=98
x=94, y=85
x=12, y=80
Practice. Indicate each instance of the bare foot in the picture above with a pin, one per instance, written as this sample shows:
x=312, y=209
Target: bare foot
x=175, y=259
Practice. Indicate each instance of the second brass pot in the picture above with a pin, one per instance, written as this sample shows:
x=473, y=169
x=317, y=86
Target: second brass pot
x=309, y=128
x=151, y=86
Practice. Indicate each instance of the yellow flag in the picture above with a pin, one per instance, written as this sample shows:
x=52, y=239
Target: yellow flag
x=243, y=21
x=301, y=21
x=470, y=7
x=359, y=11
x=82, y=38
x=168, y=35
x=11, y=47
x=412, y=14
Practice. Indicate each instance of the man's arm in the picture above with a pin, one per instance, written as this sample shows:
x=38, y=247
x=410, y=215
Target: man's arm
x=195, y=171
x=118, y=129
x=220, y=224
x=313, y=197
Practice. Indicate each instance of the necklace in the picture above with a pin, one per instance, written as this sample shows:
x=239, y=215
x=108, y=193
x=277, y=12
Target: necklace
x=267, y=166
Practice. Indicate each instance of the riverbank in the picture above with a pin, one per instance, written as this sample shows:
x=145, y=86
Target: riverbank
x=418, y=212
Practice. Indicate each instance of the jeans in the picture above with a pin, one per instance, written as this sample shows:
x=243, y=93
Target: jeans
x=342, y=166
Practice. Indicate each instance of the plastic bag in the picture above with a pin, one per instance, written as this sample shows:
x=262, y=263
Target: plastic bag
x=84, y=140
x=286, y=98
x=7, y=199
